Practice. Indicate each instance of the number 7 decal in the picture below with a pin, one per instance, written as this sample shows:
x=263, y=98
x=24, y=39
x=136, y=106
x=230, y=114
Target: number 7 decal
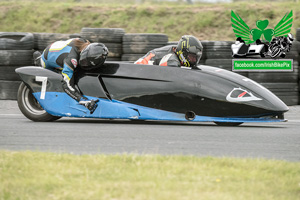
x=44, y=85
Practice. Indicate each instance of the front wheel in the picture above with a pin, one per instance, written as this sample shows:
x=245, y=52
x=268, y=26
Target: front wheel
x=30, y=107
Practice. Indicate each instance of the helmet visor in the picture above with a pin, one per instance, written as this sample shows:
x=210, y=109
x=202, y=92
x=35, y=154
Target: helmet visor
x=193, y=58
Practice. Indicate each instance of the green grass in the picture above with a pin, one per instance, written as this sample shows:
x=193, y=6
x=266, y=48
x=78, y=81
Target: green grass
x=206, y=21
x=36, y=175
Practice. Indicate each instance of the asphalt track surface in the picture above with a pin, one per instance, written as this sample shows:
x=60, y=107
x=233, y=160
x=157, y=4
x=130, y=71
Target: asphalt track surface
x=96, y=136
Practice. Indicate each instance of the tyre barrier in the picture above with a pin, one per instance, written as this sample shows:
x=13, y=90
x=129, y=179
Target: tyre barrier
x=111, y=37
x=42, y=40
x=16, y=57
x=136, y=45
x=15, y=50
x=104, y=35
x=298, y=34
x=115, y=51
x=9, y=89
x=287, y=92
x=8, y=73
x=9, y=80
x=16, y=41
x=131, y=57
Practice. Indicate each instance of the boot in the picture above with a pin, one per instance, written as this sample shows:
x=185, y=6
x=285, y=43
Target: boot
x=89, y=104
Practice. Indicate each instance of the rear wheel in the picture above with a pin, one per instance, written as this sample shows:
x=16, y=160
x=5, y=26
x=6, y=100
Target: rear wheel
x=228, y=123
x=275, y=52
x=30, y=107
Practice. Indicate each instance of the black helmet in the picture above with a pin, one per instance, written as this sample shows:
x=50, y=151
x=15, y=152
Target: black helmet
x=189, y=50
x=93, y=56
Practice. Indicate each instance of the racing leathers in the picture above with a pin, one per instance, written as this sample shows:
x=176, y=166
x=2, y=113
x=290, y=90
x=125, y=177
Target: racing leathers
x=64, y=56
x=164, y=56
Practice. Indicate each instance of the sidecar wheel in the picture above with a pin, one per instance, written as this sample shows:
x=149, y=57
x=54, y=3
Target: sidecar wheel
x=228, y=123
x=30, y=107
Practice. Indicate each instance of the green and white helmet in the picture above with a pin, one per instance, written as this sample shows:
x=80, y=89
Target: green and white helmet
x=189, y=50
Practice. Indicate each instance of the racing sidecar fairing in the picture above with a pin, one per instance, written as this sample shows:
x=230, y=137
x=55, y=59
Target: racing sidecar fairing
x=242, y=50
x=149, y=92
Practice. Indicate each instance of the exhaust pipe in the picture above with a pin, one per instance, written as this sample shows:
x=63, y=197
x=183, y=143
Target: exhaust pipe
x=190, y=115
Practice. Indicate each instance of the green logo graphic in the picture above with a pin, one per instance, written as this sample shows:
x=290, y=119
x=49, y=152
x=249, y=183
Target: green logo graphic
x=241, y=29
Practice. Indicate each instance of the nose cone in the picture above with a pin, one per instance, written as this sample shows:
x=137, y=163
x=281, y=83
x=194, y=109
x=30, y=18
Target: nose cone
x=269, y=102
x=278, y=104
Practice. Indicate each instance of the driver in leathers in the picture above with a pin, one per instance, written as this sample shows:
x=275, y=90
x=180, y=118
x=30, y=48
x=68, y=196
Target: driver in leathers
x=187, y=53
x=66, y=56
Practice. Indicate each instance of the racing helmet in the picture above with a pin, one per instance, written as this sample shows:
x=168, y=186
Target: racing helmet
x=93, y=56
x=290, y=38
x=189, y=50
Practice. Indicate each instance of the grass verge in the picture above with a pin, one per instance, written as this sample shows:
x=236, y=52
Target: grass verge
x=36, y=175
x=205, y=21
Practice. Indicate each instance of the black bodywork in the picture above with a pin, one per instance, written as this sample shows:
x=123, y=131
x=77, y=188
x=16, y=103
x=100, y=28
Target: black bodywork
x=202, y=90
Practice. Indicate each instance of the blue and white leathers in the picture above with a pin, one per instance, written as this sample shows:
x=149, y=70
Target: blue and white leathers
x=55, y=52
x=63, y=56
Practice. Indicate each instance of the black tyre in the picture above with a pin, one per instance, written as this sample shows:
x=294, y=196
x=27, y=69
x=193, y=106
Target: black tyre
x=16, y=57
x=206, y=43
x=298, y=34
x=221, y=63
x=263, y=53
x=140, y=48
x=104, y=35
x=16, y=41
x=7, y=73
x=281, y=87
x=216, y=46
x=275, y=77
x=113, y=59
x=217, y=54
x=175, y=43
x=154, y=38
x=131, y=57
x=42, y=40
x=228, y=123
x=293, y=54
x=30, y=107
x=275, y=52
x=9, y=89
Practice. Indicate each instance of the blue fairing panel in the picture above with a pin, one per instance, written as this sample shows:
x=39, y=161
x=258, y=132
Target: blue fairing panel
x=60, y=104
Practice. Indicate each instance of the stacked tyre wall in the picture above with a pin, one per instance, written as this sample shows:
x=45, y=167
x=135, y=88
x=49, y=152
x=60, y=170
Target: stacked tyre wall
x=16, y=50
x=137, y=45
x=112, y=38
